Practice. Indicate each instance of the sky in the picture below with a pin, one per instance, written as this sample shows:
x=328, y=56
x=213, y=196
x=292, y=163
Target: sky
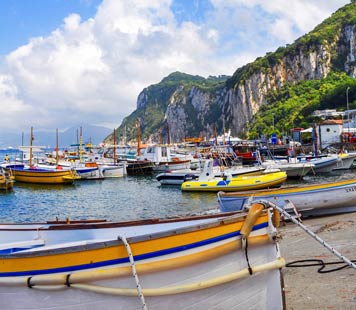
x=64, y=63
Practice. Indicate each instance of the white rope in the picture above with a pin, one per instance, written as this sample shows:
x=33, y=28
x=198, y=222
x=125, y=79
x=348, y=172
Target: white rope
x=308, y=231
x=134, y=273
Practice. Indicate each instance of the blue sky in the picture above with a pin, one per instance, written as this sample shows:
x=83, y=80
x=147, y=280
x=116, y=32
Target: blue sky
x=23, y=19
x=67, y=62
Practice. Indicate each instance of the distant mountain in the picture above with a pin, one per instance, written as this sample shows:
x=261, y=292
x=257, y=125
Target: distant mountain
x=90, y=133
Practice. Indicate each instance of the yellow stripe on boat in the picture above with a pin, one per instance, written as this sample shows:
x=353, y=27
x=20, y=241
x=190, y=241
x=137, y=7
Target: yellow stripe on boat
x=292, y=189
x=114, y=252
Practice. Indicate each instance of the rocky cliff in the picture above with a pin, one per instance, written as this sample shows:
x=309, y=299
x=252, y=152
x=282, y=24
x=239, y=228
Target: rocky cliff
x=199, y=106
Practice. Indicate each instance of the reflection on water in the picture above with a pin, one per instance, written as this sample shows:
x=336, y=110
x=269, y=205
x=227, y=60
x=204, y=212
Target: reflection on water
x=113, y=199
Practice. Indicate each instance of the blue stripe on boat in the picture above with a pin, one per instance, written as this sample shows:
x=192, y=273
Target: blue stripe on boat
x=126, y=259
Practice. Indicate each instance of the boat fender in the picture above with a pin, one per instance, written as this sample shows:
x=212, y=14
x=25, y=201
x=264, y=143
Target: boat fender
x=276, y=218
x=253, y=213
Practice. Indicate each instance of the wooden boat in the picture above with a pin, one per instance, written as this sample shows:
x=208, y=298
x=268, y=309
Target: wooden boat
x=6, y=180
x=238, y=183
x=32, y=174
x=139, y=167
x=187, y=263
x=311, y=199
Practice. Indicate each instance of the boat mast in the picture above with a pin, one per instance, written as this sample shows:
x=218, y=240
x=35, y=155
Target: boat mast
x=114, y=146
x=31, y=138
x=168, y=135
x=138, y=136
x=56, y=146
x=80, y=144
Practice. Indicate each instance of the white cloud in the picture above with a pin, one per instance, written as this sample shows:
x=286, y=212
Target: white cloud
x=91, y=71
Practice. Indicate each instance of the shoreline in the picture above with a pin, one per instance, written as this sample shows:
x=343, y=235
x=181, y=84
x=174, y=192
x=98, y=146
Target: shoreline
x=305, y=288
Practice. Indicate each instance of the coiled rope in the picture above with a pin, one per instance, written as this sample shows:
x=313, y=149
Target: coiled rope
x=318, y=262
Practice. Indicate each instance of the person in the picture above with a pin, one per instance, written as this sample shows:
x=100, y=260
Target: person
x=7, y=158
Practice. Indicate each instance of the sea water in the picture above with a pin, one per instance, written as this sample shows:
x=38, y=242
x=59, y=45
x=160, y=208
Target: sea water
x=114, y=199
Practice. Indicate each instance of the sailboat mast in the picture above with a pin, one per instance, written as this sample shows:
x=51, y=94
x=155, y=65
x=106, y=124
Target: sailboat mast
x=80, y=144
x=168, y=135
x=56, y=146
x=138, y=125
x=114, y=146
x=31, y=138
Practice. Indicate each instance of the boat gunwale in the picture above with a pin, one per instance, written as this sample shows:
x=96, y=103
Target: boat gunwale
x=102, y=223
x=298, y=189
x=228, y=220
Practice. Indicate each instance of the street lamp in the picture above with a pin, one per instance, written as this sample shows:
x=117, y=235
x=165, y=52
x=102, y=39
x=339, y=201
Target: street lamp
x=347, y=106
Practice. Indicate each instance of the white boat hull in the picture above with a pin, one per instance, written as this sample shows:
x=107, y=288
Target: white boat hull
x=194, y=263
x=89, y=173
x=163, y=167
x=259, y=291
x=325, y=201
x=113, y=171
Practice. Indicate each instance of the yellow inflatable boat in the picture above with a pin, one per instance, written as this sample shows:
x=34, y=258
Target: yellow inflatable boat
x=239, y=183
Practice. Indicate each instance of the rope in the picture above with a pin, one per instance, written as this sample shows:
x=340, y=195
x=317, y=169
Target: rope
x=245, y=245
x=317, y=262
x=308, y=231
x=134, y=273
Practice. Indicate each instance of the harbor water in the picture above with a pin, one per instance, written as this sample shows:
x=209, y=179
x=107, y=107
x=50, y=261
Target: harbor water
x=113, y=199
x=116, y=199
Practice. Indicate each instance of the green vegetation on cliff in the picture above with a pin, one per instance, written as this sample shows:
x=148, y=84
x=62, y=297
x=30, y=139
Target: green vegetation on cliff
x=293, y=105
x=325, y=33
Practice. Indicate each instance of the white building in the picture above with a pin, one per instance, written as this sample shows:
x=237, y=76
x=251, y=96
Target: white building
x=330, y=131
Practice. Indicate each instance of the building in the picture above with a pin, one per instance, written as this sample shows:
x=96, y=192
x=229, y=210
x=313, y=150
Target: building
x=330, y=131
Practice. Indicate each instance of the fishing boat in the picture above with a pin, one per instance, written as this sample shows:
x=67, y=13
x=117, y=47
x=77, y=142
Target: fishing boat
x=28, y=174
x=293, y=168
x=311, y=199
x=323, y=164
x=139, y=167
x=113, y=170
x=163, y=161
x=110, y=167
x=6, y=180
x=229, y=261
x=45, y=175
x=346, y=161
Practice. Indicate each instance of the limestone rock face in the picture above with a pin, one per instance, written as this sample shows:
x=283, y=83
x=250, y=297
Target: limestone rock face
x=232, y=105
